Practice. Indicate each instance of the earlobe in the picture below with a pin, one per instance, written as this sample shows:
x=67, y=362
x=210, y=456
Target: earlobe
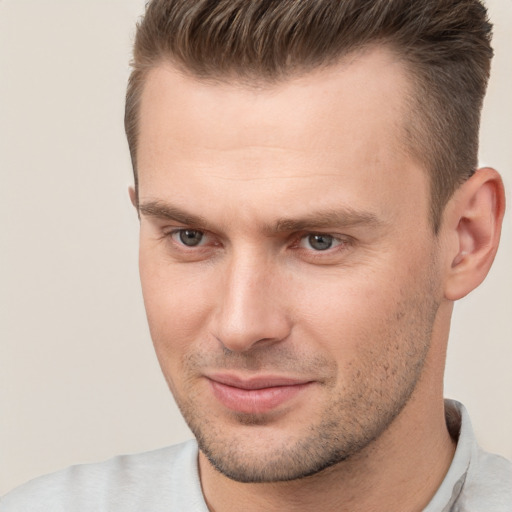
x=476, y=216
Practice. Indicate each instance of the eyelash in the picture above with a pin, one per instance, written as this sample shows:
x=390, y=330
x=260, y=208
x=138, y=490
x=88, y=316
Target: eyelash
x=341, y=242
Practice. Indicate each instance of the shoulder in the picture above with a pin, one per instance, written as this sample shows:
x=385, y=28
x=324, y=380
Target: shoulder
x=126, y=483
x=487, y=478
x=488, y=484
x=476, y=481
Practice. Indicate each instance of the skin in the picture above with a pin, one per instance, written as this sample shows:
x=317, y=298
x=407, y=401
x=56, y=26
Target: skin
x=362, y=326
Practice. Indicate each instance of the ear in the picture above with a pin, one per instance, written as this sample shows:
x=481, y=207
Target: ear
x=473, y=219
x=133, y=197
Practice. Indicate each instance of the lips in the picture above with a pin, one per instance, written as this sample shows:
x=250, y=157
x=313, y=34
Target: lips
x=255, y=395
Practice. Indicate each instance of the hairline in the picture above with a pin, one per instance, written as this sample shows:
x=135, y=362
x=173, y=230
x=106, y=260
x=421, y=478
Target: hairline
x=411, y=126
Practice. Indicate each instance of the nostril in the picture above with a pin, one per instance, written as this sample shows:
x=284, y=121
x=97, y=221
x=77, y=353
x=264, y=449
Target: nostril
x=245, y=341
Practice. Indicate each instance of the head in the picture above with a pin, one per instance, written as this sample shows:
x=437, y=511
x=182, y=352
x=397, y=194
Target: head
x=307, y=216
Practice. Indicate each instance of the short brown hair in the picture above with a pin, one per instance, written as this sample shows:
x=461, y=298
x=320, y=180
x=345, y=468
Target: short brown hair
x=445, y=43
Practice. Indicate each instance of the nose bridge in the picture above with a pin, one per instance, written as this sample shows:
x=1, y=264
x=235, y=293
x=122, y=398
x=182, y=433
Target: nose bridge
x=249, y=311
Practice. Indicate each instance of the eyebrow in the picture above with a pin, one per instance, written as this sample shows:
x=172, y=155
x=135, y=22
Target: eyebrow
x=330, y=218
x=344, y=217
x=160, y=210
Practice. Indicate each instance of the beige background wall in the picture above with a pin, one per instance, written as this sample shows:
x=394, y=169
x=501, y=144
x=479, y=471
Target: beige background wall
x=78, y=378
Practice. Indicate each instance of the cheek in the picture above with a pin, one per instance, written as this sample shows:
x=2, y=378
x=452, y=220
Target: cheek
x=177, y=302
x=363, y=308
x=340, y=299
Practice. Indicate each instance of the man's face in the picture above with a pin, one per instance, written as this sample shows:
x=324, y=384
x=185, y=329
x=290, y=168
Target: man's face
x=288, y=266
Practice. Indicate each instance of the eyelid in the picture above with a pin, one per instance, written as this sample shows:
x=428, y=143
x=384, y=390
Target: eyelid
x=331, y=256
x=175, y=231
x=304, y=239
x=173, y=234
x=337, y=239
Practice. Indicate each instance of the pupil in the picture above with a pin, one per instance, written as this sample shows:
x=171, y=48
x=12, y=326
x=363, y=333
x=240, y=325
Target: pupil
x=191, y=237
x=320, y=242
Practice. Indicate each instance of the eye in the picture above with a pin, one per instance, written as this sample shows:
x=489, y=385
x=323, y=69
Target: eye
x=188, y=237
x=319, y=241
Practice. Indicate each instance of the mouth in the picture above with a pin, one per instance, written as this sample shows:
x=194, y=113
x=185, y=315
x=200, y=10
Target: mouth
x=255, y=395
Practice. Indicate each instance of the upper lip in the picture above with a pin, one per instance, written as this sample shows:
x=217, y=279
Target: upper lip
x=256, y=382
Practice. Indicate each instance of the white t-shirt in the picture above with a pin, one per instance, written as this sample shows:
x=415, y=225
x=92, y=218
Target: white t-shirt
x=167, y=480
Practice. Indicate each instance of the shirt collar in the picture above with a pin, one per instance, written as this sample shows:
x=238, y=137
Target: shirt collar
x=461, y=430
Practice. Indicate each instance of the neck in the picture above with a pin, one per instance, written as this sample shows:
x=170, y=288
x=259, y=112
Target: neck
x=400, y=471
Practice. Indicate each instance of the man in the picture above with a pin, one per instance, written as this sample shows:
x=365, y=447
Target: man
x=305, y=176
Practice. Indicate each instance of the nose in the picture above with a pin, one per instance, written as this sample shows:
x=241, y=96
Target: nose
x=250, y=312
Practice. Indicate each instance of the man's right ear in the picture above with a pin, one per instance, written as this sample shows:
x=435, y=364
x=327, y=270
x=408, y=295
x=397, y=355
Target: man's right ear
x=133, y=197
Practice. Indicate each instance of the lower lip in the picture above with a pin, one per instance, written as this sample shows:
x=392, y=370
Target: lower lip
x=255, y=401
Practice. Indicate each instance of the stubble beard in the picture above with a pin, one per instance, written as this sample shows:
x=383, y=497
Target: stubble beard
x=367, y=405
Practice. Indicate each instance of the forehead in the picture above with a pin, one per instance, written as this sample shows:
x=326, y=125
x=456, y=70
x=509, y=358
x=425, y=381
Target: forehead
x=371, y=81
x=338, y=129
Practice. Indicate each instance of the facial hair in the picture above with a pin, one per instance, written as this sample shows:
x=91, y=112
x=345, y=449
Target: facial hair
x=376, y=387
